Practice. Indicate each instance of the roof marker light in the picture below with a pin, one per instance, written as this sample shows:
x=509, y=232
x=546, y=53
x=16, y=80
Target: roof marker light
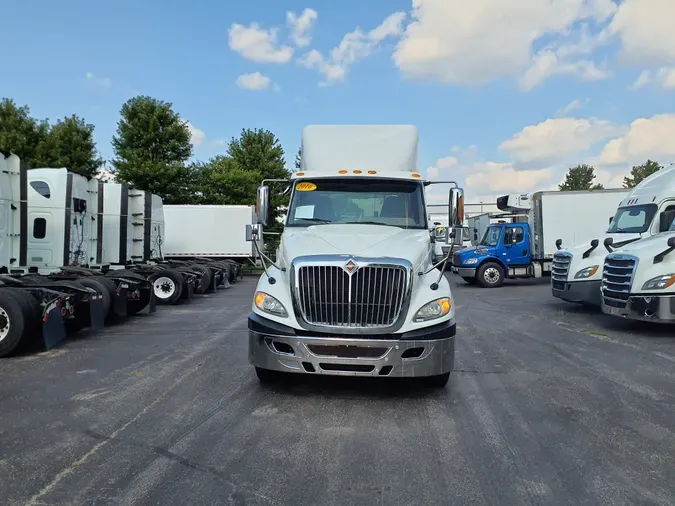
x=357, y=172
x=372, y=172
x=342, y=172
x=299, y=173
x=415, y=174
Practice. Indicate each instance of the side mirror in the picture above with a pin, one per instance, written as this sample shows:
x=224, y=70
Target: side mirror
x=456, y=208
x=671, y=242
x=262, y=204
x=611, y=219
x=452, y=234
x=558, y=243
x=665, y=220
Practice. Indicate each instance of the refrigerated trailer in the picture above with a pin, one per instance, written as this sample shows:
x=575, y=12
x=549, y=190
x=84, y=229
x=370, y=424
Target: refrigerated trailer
x=533, y=229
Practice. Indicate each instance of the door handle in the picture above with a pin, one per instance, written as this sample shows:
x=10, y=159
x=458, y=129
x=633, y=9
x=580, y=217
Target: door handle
x=524, y=252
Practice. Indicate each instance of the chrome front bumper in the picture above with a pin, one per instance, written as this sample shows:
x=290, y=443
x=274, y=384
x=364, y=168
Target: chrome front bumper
x=582, y=292
x=353, y=356
x=649, y=308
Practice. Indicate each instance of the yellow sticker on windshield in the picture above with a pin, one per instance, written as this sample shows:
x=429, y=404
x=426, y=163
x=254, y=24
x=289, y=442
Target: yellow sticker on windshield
x=305, y=187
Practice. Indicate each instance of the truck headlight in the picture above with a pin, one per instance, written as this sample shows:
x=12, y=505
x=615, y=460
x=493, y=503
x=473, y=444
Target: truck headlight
x=265, y=302
x=470, y=261
x=587, y=272
x=434, y=309
x=659, y=282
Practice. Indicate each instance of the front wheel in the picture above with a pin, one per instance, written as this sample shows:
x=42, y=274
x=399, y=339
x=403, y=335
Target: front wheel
x=490, y=275
x=438, y=381
x=265, y=375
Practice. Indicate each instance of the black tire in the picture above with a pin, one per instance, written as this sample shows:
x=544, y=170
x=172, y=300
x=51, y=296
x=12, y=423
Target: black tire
x=168, y=285
x=490, y=275
x=438, y=381
x=207, y=276
x=266, y=376
x=471, y=281
x=95, y=284
x=14, y=322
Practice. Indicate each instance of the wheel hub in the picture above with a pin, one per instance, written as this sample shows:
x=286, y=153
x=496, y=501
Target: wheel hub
x=4, y=324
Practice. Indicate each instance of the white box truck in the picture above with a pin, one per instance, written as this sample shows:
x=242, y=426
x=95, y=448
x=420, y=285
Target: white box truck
x=534, y=227
x=354, y=290
x=578, y=270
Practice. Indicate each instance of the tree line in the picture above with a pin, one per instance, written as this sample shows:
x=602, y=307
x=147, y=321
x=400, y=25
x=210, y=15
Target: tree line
x=152, y=151
x=581, y=177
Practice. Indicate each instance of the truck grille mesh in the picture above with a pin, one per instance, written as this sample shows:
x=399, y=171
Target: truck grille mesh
x=561, y=266
x=371, y=297
x=617, y=278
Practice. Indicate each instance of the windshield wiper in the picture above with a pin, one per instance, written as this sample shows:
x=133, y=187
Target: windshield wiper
x=318, y=220
x=369, y=223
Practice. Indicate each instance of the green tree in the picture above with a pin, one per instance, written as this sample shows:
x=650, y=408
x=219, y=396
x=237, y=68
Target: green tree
x=259, y=151
x=19, y=132
x=580, y=178
x=151, y=147
x=640, y=172
x=298, y=158
x=70, y=143
x=221, y=181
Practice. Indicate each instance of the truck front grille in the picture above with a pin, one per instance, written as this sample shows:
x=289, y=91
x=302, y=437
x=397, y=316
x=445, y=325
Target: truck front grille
x=370, y=297
x=617, y=278
x=455, y=259
x=561, y=266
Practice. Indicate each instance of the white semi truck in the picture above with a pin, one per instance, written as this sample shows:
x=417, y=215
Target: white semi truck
x=577, y=275
x=530, y=231
x=354, y=290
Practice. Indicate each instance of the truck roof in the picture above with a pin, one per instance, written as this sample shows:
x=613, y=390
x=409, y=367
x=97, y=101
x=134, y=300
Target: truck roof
x=652, y=189
x=386, y=148
x=358, y=174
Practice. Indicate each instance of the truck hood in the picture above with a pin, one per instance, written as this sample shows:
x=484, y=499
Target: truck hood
x=620, y=241
x=359, y=240
x=649, y=245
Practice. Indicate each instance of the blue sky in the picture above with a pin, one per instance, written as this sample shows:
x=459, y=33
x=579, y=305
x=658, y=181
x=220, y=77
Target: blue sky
x=506, y=95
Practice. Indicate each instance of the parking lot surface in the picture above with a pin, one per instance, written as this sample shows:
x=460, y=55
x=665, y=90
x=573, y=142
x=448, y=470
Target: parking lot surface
x=550, y=403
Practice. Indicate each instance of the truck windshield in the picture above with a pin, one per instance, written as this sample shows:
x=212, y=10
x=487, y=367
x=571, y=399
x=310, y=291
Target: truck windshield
x=490, y=237
x=354, y=201
x=632, y=219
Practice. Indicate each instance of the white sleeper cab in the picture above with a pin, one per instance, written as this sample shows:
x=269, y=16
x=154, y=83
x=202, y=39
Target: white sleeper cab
x=354, y=289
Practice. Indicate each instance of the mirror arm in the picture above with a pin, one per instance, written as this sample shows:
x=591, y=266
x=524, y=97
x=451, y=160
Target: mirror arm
x=264, y=257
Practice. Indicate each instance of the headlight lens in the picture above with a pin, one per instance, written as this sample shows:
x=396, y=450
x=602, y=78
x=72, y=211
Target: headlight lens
x=659, y=282
x=587, y=272
x=265, y=302
x=434, y=309
x=470, y=261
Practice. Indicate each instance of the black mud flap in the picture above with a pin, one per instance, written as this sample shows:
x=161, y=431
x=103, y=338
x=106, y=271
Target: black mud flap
x=96, y=312
x=53, y=330
x=189, y=292
x=152, y=305
x=120, y=302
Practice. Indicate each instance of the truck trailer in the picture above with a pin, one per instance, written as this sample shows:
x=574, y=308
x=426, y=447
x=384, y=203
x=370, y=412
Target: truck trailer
x=642, y=213
x=531, y=230
x=354, y=290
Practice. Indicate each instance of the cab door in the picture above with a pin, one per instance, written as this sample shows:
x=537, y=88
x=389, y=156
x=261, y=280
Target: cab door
x=516, y=245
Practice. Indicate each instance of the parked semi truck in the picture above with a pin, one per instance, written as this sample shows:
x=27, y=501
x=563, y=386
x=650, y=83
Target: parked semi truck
x=531, y=230
x=642, y=213
x=354, y=290
x=34, y=306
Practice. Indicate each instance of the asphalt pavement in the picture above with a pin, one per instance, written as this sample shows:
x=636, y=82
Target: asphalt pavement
x=550, y=403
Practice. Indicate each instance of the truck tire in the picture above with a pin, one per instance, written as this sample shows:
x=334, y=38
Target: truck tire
x=471, y=281
x=13, y=322
x=97, y=285
x=438, y=381
x=490, y=275
x=265, y=375
x=168, y=285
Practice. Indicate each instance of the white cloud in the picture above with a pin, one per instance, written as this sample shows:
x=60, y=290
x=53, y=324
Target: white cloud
x=301, y=26
x=557, y=139
x=101, y=82
x=355, y=45
x=254, y=82
x=258, y=44
x=647, y=138
x=197, y=136
x=453, y=41
x=502, y=178
x=645, y=28
x=547, y=64
x=663, y=77
x=572, y=106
